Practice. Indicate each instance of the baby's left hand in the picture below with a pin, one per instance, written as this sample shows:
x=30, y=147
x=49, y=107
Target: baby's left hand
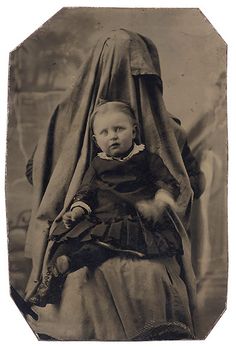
x=151, y=210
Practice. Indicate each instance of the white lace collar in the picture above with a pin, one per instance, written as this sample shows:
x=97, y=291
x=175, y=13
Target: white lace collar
x=136, y=149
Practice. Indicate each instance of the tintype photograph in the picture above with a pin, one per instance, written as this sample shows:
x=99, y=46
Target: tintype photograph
x=116, y=186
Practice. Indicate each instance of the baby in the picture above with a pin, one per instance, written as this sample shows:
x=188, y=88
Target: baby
x=119, y=207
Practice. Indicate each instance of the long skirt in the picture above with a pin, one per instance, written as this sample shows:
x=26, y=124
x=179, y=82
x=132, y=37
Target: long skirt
x=125, y=298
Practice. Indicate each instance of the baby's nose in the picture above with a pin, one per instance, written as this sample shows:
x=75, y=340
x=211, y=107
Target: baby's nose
x=113, y=135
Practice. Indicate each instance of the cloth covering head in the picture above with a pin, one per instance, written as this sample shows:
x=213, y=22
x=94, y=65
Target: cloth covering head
x=122, y=66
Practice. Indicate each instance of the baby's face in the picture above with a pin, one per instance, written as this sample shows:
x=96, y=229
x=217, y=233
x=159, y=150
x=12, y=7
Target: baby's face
x=114, y=133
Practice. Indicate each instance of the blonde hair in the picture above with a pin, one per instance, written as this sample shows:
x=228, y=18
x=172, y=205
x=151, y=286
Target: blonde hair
x=105, y=106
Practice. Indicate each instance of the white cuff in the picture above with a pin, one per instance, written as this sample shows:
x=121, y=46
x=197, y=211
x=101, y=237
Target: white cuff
x=81, y=204
x=166, y=197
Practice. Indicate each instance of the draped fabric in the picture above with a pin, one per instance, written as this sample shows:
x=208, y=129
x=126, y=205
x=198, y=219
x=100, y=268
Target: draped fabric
x=123, y=299
x=122, y=66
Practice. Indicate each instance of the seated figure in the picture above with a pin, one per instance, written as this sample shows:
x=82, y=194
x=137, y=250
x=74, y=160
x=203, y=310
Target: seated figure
x=113, y=185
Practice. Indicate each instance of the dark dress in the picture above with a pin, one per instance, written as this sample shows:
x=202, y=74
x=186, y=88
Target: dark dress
x=111, y=188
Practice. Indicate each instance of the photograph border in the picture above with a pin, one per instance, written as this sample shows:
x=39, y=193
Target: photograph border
x=17, y=331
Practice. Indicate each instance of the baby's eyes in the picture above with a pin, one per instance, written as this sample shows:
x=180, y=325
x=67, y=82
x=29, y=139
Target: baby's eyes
x=105, y=132
x=119, y=129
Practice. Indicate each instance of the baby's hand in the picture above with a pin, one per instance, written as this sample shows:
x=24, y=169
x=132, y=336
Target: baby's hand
x=151, y=209
x=72, y=216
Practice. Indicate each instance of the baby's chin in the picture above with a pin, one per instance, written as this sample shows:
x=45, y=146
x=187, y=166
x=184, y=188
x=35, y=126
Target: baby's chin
x=116, y=152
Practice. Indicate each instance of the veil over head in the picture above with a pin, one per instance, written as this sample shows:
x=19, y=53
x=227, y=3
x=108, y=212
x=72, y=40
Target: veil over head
x=122, y=66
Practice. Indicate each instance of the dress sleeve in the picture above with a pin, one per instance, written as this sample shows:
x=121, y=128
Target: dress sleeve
x=162, y=177
x=86, y=194
x=196, y=176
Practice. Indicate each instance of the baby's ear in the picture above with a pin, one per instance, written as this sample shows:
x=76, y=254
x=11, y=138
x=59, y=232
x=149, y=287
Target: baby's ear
x=135, y=128
x=94, y=139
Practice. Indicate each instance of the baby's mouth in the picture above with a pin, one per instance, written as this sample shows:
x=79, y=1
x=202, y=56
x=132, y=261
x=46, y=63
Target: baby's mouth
x=114, y=145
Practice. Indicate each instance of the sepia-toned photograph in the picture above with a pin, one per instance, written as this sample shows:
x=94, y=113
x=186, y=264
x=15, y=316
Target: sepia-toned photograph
x=116, y=175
